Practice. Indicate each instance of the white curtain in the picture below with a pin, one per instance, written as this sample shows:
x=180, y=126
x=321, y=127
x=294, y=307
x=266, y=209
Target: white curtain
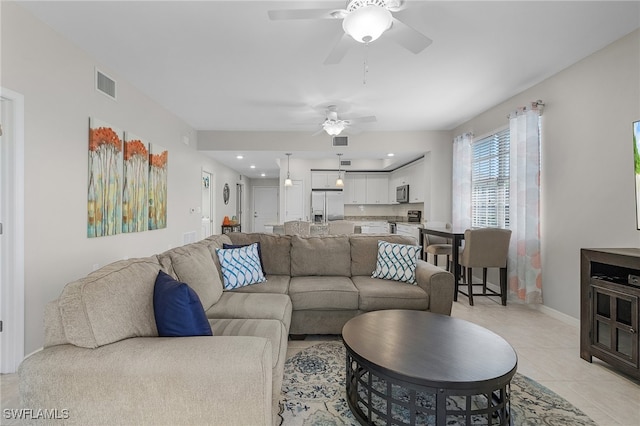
x=461, y=184
x=525, y=273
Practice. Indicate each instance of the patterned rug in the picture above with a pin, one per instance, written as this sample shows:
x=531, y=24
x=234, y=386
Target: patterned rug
x=313, y=393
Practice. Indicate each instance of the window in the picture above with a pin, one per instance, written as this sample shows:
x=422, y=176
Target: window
x=490, y=181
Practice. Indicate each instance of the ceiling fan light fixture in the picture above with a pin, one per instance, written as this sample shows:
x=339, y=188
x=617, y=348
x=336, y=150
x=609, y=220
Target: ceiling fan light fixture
x=333, y=127
x=367, y=23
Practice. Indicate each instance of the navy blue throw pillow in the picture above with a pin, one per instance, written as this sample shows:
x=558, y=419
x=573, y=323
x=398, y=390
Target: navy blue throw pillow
x=178, y=310
x=233, y=246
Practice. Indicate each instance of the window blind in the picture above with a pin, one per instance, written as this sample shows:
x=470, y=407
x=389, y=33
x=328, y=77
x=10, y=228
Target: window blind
x=490, y=181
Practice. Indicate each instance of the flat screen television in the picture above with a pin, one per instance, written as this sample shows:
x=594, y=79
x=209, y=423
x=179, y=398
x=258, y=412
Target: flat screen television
x=636, y=160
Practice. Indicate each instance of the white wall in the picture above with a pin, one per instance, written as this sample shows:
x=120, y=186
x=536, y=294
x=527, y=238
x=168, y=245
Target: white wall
x=57, y=81
x=587, y=180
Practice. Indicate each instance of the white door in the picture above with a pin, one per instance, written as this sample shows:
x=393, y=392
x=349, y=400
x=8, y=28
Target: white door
x=265, y=207
x=207, y=204
x=294, y=201
x=12, y=235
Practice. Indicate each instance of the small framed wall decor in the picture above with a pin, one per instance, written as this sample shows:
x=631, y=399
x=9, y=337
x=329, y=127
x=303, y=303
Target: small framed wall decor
x=636, y=166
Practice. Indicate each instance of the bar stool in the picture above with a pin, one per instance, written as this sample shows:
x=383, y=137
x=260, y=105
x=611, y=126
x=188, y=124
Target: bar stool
x=485, y=248
x=438, y=246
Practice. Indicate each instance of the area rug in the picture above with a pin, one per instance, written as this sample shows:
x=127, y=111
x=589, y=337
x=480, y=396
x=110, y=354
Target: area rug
x=313, y=393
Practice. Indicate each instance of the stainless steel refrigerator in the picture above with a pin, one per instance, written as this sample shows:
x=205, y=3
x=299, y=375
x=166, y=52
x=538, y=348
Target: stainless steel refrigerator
x=327, y=205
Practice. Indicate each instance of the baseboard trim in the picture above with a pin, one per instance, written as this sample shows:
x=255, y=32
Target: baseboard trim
x=561, y=316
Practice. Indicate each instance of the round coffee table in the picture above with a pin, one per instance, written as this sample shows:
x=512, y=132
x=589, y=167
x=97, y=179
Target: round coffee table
x=417, y=368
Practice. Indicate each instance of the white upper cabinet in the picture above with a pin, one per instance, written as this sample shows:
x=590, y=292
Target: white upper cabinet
x=377, y=188
x=355, y=188
x=413, y=175
x=366, y=188
x=323, y=180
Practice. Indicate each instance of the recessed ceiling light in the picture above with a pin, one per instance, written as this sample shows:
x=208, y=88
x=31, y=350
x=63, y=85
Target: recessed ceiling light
x=263, y=174
x=239, y=157
x=253, y=166
x=391, y=154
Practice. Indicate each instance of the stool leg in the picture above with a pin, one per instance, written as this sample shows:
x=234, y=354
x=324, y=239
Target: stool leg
x=503, y=286
x=484, y=280
x=449, y=268
x=435, y=259
x=469, y=283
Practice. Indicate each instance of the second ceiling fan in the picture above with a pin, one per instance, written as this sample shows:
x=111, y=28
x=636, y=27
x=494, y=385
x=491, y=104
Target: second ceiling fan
x=334, y=125
x=363, y=21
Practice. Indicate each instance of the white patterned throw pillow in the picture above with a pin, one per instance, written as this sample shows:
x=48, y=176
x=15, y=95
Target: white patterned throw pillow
x=240, y=266
x=396, y=262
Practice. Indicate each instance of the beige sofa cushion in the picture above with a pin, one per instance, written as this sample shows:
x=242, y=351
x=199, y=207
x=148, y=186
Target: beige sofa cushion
x=276, y=250
x=274, y=284
x=325, y=256
x=323, y=293
x=193, y=264
x=364, y=251
x=110, y=304
x=376, y=294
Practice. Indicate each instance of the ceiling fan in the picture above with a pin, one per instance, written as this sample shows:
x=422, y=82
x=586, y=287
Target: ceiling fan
x=363, y=21
x=334, y=126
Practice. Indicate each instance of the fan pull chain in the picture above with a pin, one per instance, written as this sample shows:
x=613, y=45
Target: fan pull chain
x=365, y=70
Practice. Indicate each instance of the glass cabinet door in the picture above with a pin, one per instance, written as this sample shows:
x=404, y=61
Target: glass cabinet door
x=615, y=327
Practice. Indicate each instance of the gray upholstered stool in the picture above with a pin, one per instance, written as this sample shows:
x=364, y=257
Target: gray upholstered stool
x=437, y=246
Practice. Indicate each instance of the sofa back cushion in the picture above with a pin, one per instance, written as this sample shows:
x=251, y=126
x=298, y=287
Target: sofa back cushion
x=110, y=304
x=215, y=242
x=276, y=250
x=193, y=264
x=364, y=251
x=328, y=255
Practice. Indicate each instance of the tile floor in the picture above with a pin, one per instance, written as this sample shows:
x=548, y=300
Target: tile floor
x=548, y=352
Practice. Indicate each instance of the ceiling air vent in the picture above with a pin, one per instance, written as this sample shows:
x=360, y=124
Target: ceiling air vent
x=105, y=84
x=340, y=141
x=345, y=162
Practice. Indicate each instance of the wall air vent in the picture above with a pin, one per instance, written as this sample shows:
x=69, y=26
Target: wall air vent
x=340, y=141
x=105, y=84
x=345, y=162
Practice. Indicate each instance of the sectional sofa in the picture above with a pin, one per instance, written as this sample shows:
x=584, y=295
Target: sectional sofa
x=103, y=362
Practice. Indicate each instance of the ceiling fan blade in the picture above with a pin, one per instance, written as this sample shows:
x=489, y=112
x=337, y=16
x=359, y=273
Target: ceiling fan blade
x=339, y=50
x=277, y=15
x=367, y=119
x=318, y=132
x=408, y=37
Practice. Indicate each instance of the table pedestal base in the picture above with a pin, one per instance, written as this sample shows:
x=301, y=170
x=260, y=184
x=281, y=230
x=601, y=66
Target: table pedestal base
x=377, y=399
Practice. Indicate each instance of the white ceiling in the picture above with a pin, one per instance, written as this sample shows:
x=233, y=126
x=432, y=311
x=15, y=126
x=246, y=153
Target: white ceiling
x=223, y=65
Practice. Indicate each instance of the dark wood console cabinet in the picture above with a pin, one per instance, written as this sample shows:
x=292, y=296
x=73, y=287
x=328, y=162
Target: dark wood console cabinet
x=609, y=310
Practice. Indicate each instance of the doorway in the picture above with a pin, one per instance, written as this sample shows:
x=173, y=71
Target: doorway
x=265, y=207
x=11, y=230
x=207, y=205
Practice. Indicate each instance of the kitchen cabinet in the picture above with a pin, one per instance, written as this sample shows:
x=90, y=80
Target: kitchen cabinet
x=374, y=227
x=377, y=189
x=416, y=176
x=366, y=188
x=323, y=180
x=355, y=188
x=413, y=175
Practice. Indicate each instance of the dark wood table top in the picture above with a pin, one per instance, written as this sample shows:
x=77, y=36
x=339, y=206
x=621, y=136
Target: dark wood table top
x=430, y=349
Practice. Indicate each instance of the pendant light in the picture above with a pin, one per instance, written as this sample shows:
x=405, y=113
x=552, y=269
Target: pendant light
x=339, y=181
x=288, y=181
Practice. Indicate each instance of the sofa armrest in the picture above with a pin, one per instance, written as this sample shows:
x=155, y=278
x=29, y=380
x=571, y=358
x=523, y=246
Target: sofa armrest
x=155, y=380
x=438, y=284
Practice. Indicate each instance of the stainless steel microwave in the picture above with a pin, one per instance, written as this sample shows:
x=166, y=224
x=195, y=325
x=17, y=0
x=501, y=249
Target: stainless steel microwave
x=402, y=194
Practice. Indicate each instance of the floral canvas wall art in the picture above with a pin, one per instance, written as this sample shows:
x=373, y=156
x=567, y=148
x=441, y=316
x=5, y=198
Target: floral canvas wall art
x=104, y=195
x=158, y=157
x=636, y=159
x=135, y=186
